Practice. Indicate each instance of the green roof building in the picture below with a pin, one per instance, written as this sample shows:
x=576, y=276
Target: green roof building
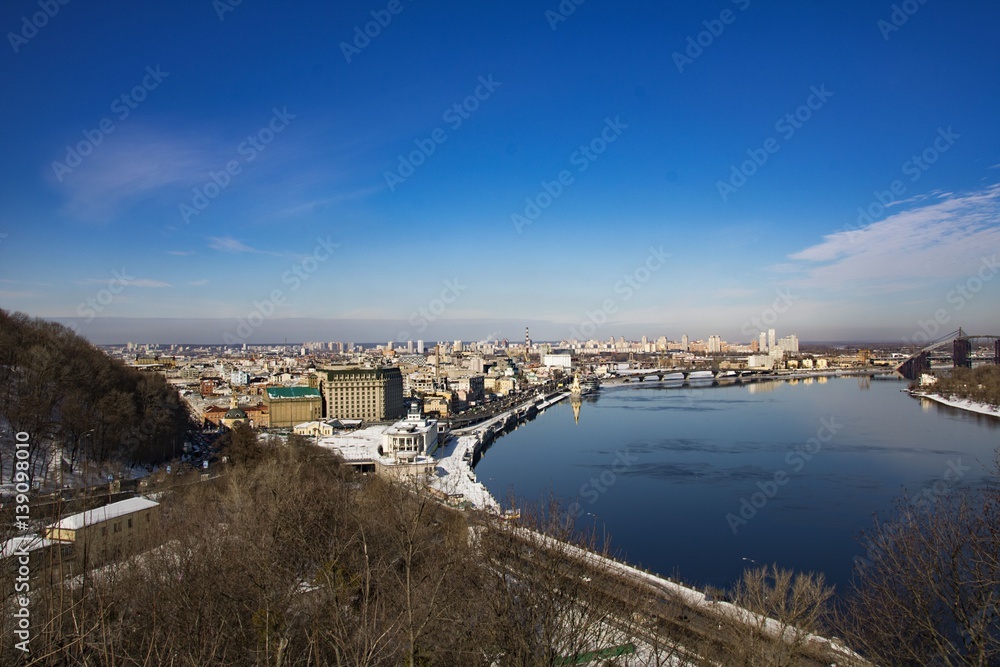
x=289, y=406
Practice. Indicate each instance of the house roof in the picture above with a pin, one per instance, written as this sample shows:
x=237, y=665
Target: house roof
x=23, y=544
x=292, y=392
x=106, y=513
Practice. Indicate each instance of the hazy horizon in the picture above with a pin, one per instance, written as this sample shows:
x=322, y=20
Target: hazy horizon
x=628, y=169
x=210, y=331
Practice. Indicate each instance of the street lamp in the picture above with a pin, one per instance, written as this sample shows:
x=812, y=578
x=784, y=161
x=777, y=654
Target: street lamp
x=71, y=463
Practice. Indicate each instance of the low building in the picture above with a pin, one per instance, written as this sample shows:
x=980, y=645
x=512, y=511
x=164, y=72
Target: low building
x=32, y=550
x=439, y=404
x=322, y=427
x=558, y=360
x=98, y=535
x=473, y=387
x=504, y=385
x=415, y=435
x=288, y=406
x=235, y=415
x=213, y=414
x=764, y=361
x=259, y=415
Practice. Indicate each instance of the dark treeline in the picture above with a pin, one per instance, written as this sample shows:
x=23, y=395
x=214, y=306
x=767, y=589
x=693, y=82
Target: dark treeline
x=64, y=392
x=980, y=384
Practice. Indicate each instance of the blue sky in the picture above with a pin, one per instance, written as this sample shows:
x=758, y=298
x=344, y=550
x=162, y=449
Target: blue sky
x=744, y=159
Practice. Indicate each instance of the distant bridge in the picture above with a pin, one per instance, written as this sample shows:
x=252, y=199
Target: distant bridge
x=961, y=353
x=660, y=374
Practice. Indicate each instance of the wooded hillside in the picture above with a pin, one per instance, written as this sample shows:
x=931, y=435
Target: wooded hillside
x=63, y=392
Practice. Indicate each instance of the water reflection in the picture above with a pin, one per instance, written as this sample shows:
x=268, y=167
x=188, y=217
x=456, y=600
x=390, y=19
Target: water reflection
x=700, y=450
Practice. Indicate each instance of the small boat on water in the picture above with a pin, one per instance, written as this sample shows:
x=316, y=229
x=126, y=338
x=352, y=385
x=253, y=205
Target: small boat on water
x=701, y=375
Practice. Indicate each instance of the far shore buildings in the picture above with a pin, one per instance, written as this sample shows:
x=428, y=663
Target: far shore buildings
x=354, y=392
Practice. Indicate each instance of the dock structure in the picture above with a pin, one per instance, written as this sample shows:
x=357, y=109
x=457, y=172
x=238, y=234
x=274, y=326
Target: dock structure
x=455, y=478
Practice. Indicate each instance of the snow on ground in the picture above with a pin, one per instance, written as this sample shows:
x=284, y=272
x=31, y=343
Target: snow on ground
x=689, y=596
x=964, y=404
x=454, y=473
x=361, y=445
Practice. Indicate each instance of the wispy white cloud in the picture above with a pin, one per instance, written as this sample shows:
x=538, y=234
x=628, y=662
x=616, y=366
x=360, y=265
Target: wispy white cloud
x=10, y=281
x=941, y=240
x=229, y=244
x=318, y=205
x=733, y=293
x=138, y=282
x=128, y=168
x=145, y=282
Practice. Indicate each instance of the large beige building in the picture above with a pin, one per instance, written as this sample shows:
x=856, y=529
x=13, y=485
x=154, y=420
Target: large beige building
x=290, y=406
x=99, y=534
x=372, y=394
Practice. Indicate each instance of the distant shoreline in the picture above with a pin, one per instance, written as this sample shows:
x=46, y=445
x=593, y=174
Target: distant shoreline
x=617, y=382
x=963, y=404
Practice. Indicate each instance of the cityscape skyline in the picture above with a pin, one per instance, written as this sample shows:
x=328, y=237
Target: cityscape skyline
x=403, y=172
x=174, y=332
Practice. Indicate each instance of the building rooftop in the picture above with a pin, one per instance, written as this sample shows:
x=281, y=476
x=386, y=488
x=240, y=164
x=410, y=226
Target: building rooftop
x=102, y=514
x=22, y=544
x=292, y=392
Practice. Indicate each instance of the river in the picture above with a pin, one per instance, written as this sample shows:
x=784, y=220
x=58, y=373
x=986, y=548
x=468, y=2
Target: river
x=700, y=482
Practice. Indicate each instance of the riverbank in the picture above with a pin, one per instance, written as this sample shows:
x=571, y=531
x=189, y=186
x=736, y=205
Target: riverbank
x=454, y=476
x=962, y=404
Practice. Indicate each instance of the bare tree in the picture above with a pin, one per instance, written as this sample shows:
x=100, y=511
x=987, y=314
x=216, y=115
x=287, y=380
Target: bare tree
x=776, y=611
x=928, y=591
x=548, y=598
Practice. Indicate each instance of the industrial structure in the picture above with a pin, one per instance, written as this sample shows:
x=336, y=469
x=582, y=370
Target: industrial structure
x=961, y=353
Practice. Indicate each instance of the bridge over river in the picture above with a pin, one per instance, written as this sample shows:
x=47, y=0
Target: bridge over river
x=961, y=353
